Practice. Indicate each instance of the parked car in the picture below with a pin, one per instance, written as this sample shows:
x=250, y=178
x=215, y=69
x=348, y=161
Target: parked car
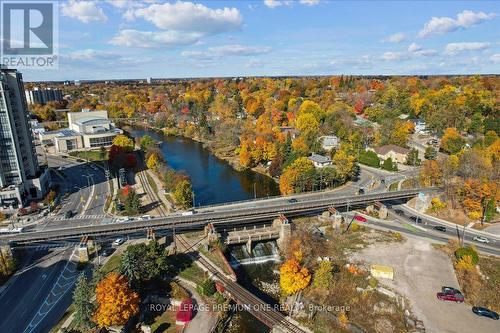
x=68, y=214
x=439, y=228
x=485, y=312
x=292, y=200
x=481, y=239
x=453, y=297
x=119, y=241
x=445, y=289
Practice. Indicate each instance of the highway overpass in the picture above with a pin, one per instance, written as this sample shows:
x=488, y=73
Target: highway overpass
x=250, y=212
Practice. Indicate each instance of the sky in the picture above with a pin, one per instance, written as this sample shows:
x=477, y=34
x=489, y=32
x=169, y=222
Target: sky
x=176, y=39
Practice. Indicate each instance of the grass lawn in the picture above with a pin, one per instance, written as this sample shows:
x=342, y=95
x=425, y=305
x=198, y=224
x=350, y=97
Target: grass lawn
x=193, y=273
x=92, y=155
x=216, y=259
x=113, y=264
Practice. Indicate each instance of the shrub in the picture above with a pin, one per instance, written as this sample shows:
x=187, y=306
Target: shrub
x=177, y=292
x=389, y=165
x=369, y=158
x=467, y=251
x=465, y=263
x=437, y=204
x=207, y=287
x=373, y=282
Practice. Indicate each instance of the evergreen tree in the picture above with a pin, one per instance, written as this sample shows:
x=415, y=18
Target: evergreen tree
x=84, y=306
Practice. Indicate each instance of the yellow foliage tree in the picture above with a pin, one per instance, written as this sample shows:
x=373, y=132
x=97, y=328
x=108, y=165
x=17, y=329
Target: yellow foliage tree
x=291, y=175
x=116, y=302
x=245, y=154
x=306, y=121
x=153, y=161
x=344, y=164
x=123, y=141
x=293, y=277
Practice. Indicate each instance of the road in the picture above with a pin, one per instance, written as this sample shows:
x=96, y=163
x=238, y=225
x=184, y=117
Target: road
x=40, y=293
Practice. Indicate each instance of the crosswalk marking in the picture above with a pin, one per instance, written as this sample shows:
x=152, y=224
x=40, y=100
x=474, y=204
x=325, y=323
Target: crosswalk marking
x=80, y=217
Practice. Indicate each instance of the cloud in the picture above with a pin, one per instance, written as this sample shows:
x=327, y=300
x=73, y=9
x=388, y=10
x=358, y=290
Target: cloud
x=226, y=50
x=416, y=49
x=495, y=58
x=91, y=55
x=152, y=39
x=279, y=3
x=395, y=38
x=394, y=56
x=464, y=20
x=454, y=48
x=187, y=16
x=254, y=63
x=84, y=11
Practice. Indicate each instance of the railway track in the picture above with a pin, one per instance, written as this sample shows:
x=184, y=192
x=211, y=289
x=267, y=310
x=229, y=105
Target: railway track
x=259, y=309
x=151, y=194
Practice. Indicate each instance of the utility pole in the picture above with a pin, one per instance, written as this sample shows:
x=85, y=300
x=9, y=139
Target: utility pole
x=254, y=191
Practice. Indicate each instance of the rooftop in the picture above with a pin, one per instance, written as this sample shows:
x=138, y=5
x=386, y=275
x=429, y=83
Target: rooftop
x=382, y=150
x=319, y=158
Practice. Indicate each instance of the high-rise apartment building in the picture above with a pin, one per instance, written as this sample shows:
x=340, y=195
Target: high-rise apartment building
x=21, y=178
x=43, y=96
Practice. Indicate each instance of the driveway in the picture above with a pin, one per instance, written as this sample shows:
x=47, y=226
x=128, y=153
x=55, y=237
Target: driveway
x=419, y=272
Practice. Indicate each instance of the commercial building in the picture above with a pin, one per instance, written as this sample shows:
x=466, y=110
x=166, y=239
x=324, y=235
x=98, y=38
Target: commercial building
x=43, y=96
x=86, y=130
x=21, y=178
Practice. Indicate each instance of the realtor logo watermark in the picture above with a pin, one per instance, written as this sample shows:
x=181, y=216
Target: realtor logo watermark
x=29, y=34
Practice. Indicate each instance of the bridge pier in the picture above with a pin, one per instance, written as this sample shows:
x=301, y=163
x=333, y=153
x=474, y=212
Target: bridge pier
x=249, y=245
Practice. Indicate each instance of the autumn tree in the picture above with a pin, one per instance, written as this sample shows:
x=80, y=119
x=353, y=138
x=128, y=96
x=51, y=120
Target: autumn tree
x=245, y=154
x=153, y=161
x=293, y=277
x=183, y=193
x=344, y=165
x=430, y=173
x=145, y=142
x=124, y=142
x=412, y=158
x=430, y=153
x=294, y=173
x=323, y=275
x=116, y=302
x=452, y=142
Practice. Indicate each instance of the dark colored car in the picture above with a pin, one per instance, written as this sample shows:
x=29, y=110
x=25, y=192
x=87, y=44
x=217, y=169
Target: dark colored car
x=453, y=297
x=445, y=289
x=79, y=160
x=107, y=252
x=485, y=312
x=292, y=200
x=415, y=219
x=68, y=214
x=361, y=191
x=399, y=212
x=439, y=228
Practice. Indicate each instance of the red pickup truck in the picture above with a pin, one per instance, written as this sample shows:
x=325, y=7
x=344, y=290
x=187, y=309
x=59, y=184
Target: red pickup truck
x=450, y=296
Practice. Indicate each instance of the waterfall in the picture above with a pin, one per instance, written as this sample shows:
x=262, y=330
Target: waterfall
x=262, y=252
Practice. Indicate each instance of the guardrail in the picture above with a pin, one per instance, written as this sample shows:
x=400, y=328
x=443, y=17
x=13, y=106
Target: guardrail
x=242, y=215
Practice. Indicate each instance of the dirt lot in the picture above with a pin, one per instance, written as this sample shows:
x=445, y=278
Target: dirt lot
x=420, y=271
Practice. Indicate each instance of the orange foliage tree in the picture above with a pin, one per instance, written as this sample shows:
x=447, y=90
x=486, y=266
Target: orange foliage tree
x=116, y=302
x=293, y=277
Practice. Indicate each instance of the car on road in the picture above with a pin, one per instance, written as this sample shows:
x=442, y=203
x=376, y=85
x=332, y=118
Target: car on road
x=68, y=214
x=144, y=218
x=451, y=296
x=292, y=200
x=399, y=212
x=439, y=228
x=187, y=213
x=64, y=156
x=119, y=241
x=361, y=191
x=60, y=168
x=124, y=219
x=484, y=312
x=79, y=160
x=107, y=252
x=481, y=239
x=415, y=219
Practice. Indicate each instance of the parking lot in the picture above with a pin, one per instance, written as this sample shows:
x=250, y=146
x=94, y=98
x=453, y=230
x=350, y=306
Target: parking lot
x=420, y=271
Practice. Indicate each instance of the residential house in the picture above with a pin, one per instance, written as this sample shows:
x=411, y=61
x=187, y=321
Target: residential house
x=396, y=153
x=320, y=161
x=329, y=142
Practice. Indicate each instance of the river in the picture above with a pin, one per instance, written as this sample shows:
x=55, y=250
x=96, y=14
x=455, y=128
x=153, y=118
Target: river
x=214, y=181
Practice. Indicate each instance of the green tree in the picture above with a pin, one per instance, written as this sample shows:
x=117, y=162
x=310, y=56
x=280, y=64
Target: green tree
x=146, y=142
x=389, y=165
x=369, y=158
x=490, y=210
x=183, y=193
x=84, y=306
x=412, y=158
x=430, y=153
x=132, y=203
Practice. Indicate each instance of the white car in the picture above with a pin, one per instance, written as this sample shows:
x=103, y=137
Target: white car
x=124, y=219
x=119, y=241
x=481, y=239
